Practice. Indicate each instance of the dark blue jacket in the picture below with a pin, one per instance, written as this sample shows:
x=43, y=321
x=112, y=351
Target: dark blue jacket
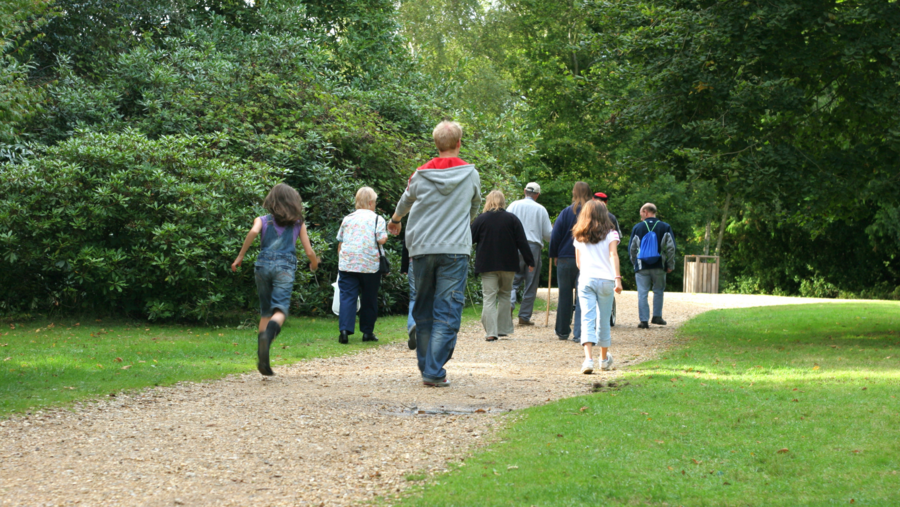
x=561, y=240
x=665, y=238
x=561, y=237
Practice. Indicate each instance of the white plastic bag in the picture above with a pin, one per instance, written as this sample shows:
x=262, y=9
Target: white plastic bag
x=336, y=302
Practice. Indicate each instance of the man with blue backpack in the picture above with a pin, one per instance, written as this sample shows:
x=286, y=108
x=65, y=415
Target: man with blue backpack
x=652, y=251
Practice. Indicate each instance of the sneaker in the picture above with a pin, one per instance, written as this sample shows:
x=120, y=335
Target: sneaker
x=658, y=320
x=411, y=343
x=587, y=366
x=576, y=340
x=607, y=365
x=643, y=325
x=439, y=383
x=525, y=322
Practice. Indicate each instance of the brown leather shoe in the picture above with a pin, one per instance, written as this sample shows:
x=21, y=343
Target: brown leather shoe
x=525, y=322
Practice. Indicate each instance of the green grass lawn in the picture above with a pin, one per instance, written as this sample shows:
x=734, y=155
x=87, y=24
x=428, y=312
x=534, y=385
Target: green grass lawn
x=46, y=363
x=792, y=405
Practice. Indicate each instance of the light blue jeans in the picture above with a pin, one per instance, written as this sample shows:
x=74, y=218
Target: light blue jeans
x=646, y=278
x=595, y=295
x=440, y=297
x=410, y=322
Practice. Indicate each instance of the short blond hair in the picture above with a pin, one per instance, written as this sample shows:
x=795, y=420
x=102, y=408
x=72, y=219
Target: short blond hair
x=447, y=135
x=365, y=197
x=494, y=201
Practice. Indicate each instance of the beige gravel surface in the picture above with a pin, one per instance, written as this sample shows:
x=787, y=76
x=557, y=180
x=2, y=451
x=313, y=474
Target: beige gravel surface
x=324, y=432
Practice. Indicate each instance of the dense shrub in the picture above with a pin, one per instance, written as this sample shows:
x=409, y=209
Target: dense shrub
x=118, y=222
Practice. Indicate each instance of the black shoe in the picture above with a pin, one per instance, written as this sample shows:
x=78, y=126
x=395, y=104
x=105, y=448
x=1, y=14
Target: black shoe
x=344, y=338
x=262, y=354
x=369, y=337
x=561, y=337
x=643, y=325
x=658, y=320
x=411, y=343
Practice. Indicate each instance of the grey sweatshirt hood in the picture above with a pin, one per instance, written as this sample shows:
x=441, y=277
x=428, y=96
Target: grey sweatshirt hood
x=441, y=204
x=445, y=181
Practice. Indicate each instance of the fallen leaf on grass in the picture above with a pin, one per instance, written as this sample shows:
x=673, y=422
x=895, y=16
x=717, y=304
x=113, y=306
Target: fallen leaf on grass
x=118, y=359
x=795, y=400
x=696, y=462
x=864, y=388
x=582, y=409
x=815, y=367
x=660, y=442
x=512, y=467
x=856, y=451
x=7, y=359
x=783, y=450
x=126, y=367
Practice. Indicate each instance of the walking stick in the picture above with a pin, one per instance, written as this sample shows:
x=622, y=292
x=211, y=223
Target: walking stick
x=549, y=282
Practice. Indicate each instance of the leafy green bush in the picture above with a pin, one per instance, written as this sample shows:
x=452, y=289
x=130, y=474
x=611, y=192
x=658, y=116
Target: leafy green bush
x=120, y=223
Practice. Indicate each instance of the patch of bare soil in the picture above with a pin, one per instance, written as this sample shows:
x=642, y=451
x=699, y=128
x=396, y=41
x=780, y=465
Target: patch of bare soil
x=324, y=432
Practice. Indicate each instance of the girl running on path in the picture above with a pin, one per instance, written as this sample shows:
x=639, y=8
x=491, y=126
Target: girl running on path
x=595, y=240
x=276, y=263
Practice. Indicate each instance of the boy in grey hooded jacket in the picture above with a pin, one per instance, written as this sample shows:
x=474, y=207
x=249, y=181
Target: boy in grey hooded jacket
x=442, y=198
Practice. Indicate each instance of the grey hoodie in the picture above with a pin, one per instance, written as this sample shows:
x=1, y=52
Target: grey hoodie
x=441, y=203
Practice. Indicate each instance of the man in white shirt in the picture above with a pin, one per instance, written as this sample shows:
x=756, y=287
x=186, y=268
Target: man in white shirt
x=536, y=222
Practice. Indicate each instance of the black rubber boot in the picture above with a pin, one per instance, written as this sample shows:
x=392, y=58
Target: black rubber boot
x=272, y=330
x=262, y=354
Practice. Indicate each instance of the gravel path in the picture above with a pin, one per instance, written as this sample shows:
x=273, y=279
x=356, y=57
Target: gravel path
x=323, y=432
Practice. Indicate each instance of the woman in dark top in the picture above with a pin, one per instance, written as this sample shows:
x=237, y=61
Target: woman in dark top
x=500, y=238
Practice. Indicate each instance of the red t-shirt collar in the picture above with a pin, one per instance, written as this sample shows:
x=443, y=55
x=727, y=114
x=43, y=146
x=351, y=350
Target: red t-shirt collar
x=443, y=163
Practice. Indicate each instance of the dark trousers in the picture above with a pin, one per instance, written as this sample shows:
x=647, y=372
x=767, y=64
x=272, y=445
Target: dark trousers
x=362, y=285
x=567, y=278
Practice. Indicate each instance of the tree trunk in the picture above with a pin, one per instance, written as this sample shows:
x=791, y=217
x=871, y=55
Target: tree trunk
x=722, y=225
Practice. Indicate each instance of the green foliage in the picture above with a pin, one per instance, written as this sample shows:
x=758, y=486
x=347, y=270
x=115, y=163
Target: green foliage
x=743, y=413
x=117, y=222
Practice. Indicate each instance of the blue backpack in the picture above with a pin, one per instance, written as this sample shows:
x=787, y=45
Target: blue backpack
x=649, y=252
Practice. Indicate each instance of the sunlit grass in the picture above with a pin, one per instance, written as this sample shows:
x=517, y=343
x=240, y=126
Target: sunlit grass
x=50, y=363
x=793, y=405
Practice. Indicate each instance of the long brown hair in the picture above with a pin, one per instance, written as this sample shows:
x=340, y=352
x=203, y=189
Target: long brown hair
x=284, y=203
x=593, y=223
x=581, y=193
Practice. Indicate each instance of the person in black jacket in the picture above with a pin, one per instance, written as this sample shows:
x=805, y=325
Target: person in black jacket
x=651, y=272
x=499, y=238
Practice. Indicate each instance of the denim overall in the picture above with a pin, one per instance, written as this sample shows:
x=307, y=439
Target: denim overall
x=275, y=267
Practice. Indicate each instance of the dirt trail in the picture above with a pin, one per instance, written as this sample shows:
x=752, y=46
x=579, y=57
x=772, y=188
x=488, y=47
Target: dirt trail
x=323, y=432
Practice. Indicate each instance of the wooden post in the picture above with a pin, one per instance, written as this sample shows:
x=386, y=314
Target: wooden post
x=549, y=283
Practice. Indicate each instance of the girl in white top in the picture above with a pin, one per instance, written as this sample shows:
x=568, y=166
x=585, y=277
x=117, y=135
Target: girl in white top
x=596, y=240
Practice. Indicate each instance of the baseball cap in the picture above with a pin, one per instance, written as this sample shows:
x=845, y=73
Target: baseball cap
x=601, y=195
x=533, y=187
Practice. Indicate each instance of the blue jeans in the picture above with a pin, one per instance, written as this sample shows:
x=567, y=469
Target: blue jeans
x=410, y=322
x=440, y=297
x=646, y=278
x=567, y=278
x=596, y=295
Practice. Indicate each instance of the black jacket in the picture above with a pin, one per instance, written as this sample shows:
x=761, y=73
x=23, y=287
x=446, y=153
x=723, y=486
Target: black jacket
x=499, y=238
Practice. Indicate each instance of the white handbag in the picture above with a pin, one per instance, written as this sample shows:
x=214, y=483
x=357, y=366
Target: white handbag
x=336, y=302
